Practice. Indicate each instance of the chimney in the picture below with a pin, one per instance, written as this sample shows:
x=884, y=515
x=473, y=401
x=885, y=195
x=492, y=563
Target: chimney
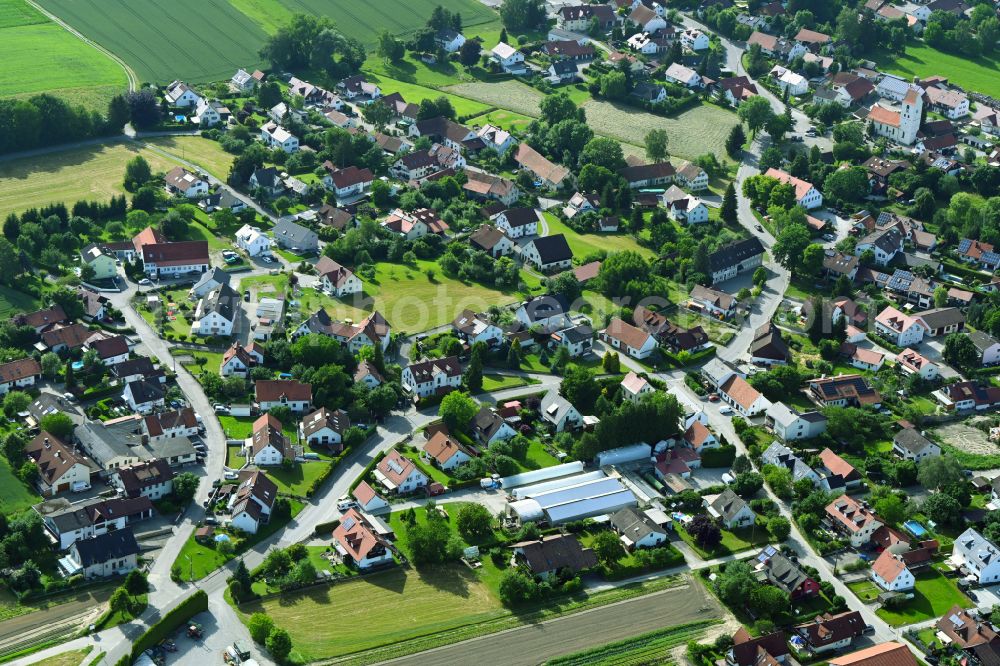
x=47, y=445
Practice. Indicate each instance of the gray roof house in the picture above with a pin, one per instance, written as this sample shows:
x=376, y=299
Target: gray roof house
x=987, y=346
x=790, y=424
x=637, y=530
x=113, y=553
x=730, y=509
x=558, y=411
x=780, y=455
x=292, y=236
x=717, y=371
x=210, y=280
x=912, y=445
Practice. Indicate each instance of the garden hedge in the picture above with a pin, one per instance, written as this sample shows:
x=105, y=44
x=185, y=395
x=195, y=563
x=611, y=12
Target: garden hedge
x=179, y=615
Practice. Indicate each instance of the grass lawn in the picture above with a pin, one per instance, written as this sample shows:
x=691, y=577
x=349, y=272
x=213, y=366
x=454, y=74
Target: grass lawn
x=14, y=495
x=71, y=658
x=240, y=427
x=430, y=470
x=94, y=173
x=40, y=56
x=206, y=153
x=212, y=361
x=979, y=74
x=497, y=382
x=933, y=595
x=13, y=301
x=198, y=231
x=203, y=559
x=409, y=299
x=509, y=120
x=734, y=541
x=584, y=244
x=537, y=457
x=295, y=480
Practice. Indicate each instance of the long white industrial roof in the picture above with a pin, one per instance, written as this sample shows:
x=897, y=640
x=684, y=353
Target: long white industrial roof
x=543, y=474
x=546, y=486
x=593, y=506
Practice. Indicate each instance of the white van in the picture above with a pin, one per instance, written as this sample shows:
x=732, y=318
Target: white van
x=79, y=486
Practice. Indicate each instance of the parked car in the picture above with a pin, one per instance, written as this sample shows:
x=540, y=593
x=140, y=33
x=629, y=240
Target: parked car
x=345, y=503
x=829, y=237
x=725, y=410
x=713, y=397
x=758, y=227
x=220, y=409
x=144, y=282
x=246, y=295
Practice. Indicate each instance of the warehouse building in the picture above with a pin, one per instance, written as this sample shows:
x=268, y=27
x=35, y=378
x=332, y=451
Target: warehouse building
x=570, y=498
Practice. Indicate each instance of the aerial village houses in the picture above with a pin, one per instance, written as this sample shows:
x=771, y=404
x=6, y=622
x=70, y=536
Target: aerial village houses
x=19, y=374
x=397, y=474
x=267, y=444
x=295, y=395
x=426, y=378
x=359, y=542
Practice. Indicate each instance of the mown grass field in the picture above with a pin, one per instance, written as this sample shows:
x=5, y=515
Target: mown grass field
x=412, y=301
x=415, y=94
x=93, y=173
x=654, y=647
x=979, y=74
x=398, y=605
x=208, y=154
x=193, y=40
x=702, y=129
x=40, y=56
x=511, y=95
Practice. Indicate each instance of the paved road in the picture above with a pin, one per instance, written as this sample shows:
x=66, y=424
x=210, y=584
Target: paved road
x=536, y=643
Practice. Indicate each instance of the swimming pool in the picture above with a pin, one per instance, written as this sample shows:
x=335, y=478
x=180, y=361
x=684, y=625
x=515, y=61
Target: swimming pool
x=915, y=528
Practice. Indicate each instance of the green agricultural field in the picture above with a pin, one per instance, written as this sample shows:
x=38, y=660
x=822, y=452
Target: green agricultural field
x=365, y=20
x=93, y=173
x=979, y=74
x=702, y=129
x=268, y=14
x=161, y=42
x=40, y=56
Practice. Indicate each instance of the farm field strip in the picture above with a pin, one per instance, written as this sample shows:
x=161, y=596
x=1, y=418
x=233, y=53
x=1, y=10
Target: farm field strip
x=511, y=95
x=94, y=173
x=40, y=56
x=160, y=44
x=363, y=21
